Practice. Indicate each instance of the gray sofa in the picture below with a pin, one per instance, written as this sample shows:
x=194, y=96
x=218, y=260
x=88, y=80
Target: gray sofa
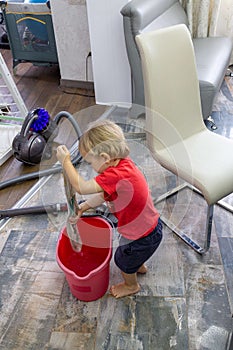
x=212, y=53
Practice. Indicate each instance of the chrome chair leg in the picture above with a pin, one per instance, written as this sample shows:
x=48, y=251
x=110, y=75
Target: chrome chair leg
x=190, y=242
x=209, y=221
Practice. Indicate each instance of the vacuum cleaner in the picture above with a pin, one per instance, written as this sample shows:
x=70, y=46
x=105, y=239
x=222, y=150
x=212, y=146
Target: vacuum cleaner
x=25, y=144
x=32, y=142
x=35, y=138
x=37, y=134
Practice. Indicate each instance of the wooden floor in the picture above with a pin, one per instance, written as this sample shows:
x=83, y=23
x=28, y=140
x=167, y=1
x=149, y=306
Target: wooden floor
x=40, y=87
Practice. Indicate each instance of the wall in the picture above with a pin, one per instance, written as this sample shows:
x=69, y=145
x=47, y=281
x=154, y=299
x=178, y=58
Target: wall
x=111, y=71
x=96, y=26
x=72, y=40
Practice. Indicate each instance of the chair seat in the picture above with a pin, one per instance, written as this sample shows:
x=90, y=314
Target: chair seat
x=209, y=52
x=214, y=50
x=204, y=160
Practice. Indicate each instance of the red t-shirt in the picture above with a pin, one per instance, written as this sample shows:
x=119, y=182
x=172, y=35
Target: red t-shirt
x=129, y=199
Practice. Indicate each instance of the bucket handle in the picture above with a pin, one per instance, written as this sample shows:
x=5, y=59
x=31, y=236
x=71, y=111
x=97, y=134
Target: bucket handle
x=99, y=215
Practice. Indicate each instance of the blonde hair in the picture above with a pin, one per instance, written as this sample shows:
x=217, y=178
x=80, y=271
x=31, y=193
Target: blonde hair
x=104, y=136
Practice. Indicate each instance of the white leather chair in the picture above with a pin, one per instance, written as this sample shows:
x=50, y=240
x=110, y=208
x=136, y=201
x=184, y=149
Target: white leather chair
x=176, y=133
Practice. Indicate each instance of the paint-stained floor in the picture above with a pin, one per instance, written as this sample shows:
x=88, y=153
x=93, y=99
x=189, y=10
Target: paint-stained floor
x=185, y=301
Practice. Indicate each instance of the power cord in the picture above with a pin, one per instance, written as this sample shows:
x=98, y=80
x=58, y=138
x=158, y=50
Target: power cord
x=87, y=79
x=89, y=55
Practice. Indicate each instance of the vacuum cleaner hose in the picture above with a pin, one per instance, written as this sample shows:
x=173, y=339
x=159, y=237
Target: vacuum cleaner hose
x=69, y=116
x=55, y=169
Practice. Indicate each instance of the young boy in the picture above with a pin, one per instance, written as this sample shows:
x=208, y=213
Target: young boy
x=120, y=183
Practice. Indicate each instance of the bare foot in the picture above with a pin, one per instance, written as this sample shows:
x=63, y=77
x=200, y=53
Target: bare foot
x=122, y=290
x=142, y=269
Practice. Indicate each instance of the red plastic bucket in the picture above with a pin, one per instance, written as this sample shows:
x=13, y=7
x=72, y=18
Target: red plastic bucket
x=87, y=272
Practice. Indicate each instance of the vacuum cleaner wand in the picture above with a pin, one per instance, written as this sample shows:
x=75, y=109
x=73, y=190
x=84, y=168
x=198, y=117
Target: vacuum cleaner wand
x=42, y=209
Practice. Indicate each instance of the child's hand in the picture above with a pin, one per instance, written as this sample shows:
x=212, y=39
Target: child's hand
x=81, y=209
x=74, y=219
x=62, y=154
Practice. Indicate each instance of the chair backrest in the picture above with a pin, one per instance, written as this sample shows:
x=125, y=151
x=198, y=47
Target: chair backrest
x=141, y=16
x=172, y=96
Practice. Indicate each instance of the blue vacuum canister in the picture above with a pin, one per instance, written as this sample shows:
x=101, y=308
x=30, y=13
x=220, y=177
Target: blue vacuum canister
x=35, y=138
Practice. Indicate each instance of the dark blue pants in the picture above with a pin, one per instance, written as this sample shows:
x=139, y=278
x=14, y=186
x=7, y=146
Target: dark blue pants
x=130, y=255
